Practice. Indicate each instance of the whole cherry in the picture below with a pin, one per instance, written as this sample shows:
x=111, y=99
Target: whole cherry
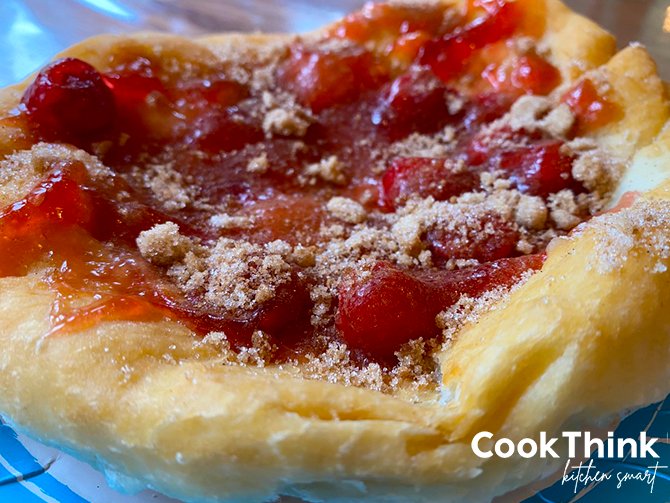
x=68, y=97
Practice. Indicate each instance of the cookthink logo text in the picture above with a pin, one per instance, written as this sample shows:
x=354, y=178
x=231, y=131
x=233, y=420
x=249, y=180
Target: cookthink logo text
x=528, y=448
x=579, y=444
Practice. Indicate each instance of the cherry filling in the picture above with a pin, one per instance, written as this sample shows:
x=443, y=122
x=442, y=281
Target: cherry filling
x=384, y=76
x=492, y=238
x=416, y=101
x=525, y=75
x=69, y=96
x=403, y=305
x=540, y=169
x=591, y=108
x=324, y=79
x=448, y=56
x=382, y=21
x=440, y=178
x=87, y=229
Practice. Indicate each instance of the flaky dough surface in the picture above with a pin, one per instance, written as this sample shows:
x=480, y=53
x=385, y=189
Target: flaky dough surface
x=585, y=338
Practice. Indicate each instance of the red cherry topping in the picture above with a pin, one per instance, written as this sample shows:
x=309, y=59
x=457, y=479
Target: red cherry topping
x=424, y=176
x=488, y=144
x=448, y=56
x=222, y=93
x=416, y=101
x=389, y=307
x=407, y=47
x=325, y=79
x=485, y=108
x=534, y=75
x=69, y=216
x=491, y=238
x=528, y=74
x=131, y=89
x=380, y=19
x=69, y=96
x=167, y=132
x=591, y=109
x=540, y=169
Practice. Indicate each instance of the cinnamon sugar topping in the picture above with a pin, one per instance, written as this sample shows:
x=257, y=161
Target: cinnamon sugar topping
x=640, y=230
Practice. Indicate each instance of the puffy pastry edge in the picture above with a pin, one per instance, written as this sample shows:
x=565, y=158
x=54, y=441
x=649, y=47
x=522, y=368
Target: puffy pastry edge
x=150, y=405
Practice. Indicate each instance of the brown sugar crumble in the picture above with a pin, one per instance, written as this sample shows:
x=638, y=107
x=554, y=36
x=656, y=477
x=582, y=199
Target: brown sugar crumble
x=258, y=164
x=163, y=244
x=328, y=169
x=286, y=122
x=347, y=210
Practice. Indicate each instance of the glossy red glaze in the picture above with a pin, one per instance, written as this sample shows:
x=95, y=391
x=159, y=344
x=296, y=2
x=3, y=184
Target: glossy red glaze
x=540, y=169
x=486, y=107
x=390, y=307
x=592, y=110
x=494, y=238
x=69, y=96
x=378, y=20
x=485, y=146
x=325, y=79
x=424, y=176
x=416, y=101
x=527, y=75
x=448, y=56
x=70, y=215
x=407, y=47
x=132, y=89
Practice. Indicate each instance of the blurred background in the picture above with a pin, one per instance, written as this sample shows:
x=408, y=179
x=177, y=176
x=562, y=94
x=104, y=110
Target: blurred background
x=31, y=31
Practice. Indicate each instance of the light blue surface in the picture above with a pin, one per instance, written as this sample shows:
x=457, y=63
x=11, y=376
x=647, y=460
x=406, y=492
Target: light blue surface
x=24, y=480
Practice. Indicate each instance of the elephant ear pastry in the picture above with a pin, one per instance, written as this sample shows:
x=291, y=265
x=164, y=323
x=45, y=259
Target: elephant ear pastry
x=318, y=265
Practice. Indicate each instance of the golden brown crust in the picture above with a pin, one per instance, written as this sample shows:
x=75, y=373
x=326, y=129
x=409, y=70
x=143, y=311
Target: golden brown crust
x=642, y=99
x=577, y=43
x=152, y=405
